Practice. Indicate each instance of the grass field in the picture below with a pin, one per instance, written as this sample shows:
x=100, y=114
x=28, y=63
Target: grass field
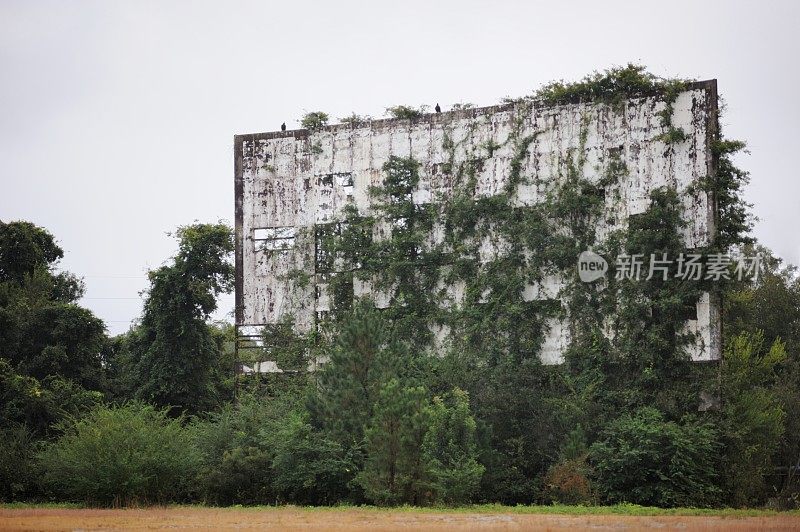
x=484, y=517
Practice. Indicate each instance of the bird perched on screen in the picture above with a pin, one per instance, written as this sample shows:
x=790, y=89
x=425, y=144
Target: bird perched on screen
x=283, y=126
x=438, y=109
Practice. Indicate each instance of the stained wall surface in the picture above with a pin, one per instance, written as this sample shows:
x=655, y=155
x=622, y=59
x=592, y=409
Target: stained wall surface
x=288, y=182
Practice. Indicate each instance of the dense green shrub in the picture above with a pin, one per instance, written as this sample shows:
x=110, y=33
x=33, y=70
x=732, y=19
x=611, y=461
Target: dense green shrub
x=235, y=459
x=17, y=449
x=450, y=449
x=752, y=415
x=406, y=111
x=120, y=455
x=307, y=467
x=172, y=358
x=30, y=411
x=40, y=405
x=645, y=459
x=264, y=450
x=611, y=86
x=568, y=480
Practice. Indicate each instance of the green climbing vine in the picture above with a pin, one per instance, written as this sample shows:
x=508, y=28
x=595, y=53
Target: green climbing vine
x=480, y=274
x=448, y=271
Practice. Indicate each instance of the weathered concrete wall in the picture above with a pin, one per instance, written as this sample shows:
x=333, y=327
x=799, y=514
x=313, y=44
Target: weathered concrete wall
x=287, y=182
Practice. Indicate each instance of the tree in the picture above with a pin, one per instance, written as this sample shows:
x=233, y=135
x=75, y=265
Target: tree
x=645, y=459
x=395, y=471
x=516, y=426
x=30, y=411
x=770, y=306
x=752, y=414
x=362, y=359
x=235, y=457
x=17, y=476
x=25, y=248
x=173, y=351
x=450, y=449
x=314, y=120
x=307, y=466
x=63, y=340
x=39, y=405
x=43, y=332
x=567, y=481
x=650, y=341
x=369, y=400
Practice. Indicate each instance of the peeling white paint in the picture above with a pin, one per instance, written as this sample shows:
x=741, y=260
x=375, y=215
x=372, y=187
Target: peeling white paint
x=296, y=180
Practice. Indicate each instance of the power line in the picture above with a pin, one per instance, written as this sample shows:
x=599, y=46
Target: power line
x=112, y=298
x=141, y=297
x=115, y=276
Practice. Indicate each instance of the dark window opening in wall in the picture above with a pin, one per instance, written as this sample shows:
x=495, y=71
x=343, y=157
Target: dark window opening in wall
x=341, y=291
x=340, y=181
x=324, y=237
x=635, y=219
x=476, y=165
x=689, y=312
x=274, y=238
x=345, y=183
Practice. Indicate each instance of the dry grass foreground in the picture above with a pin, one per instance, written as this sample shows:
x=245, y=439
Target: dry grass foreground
x=339, y=519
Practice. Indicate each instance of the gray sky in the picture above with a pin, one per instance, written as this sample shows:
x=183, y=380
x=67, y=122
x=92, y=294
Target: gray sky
x=117, y=118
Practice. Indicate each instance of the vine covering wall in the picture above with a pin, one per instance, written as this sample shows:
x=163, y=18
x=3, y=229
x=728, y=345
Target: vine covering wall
x=465, y=227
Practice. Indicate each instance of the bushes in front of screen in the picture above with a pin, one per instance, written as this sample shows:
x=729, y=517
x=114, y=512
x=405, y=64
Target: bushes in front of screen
x=119, y=456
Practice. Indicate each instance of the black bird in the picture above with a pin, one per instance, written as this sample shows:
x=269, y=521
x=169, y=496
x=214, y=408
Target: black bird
x=438, y=109
x=283, y=126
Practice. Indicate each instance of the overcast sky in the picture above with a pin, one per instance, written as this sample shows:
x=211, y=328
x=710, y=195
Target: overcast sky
x=117, y=118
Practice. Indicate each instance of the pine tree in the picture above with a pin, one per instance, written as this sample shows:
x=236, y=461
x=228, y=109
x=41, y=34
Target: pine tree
x=362, y=359
x=395, y=471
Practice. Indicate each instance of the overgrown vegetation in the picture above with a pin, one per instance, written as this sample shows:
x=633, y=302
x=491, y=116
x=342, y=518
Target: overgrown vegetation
x=439, y=396
x=406, y=112
x=171, y=358
x=314, y=121
x=610, y=86
x=355, y=120
x=129, y=454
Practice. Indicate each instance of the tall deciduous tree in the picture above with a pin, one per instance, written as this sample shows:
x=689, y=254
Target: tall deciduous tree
x=173, y=351
x=24, y=248
x=43, y=332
